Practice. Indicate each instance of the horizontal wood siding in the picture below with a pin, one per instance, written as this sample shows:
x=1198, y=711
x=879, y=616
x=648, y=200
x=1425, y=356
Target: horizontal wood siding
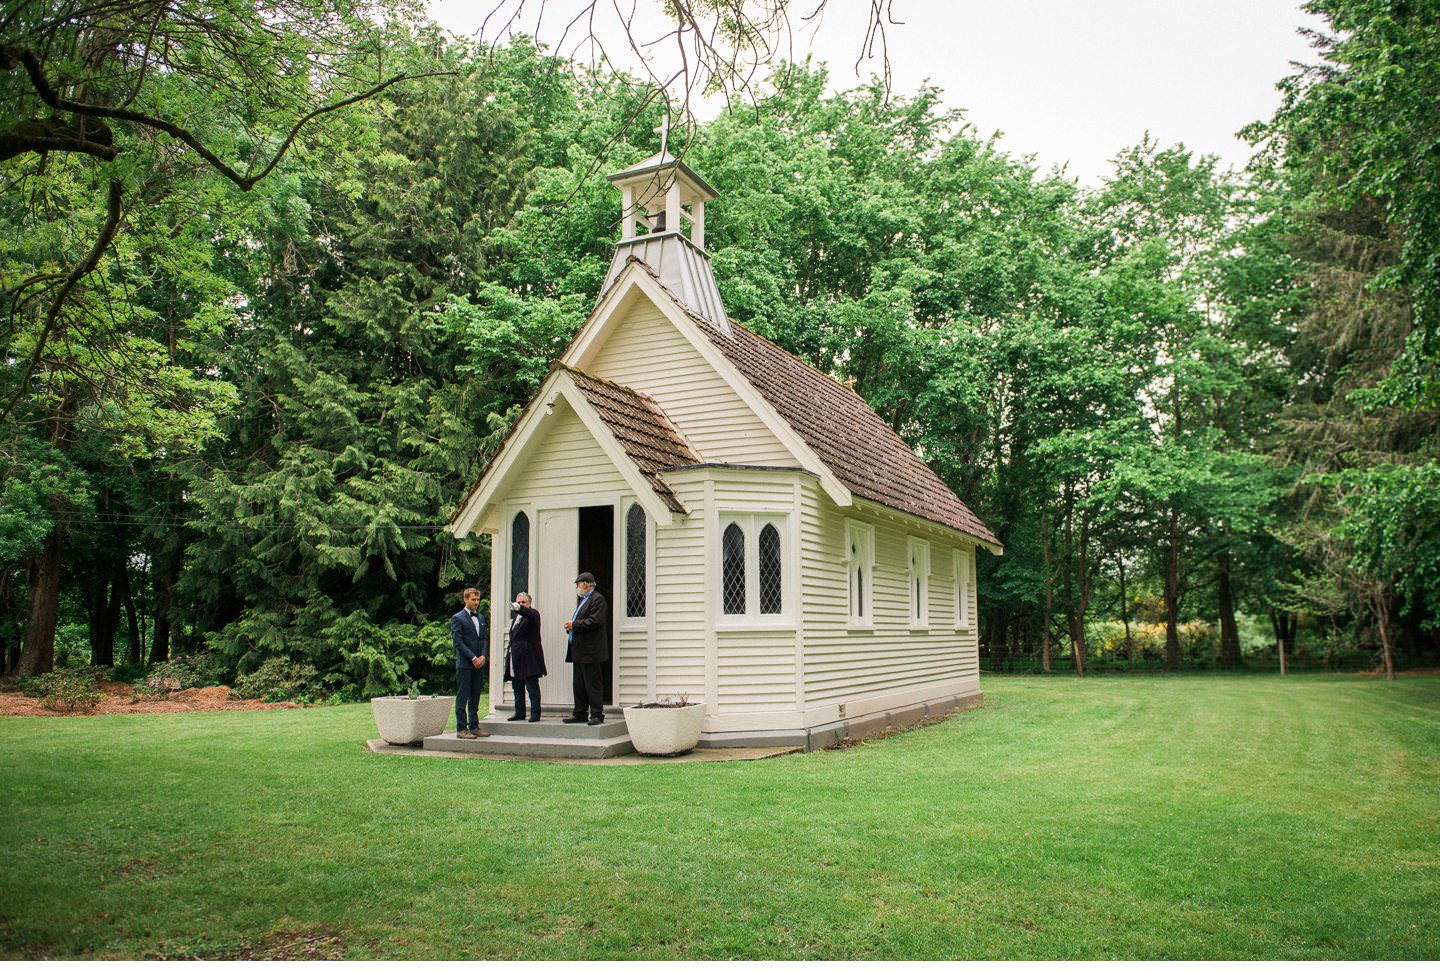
x=647, y=353
x=679, y=605
x=633, y=646
x=843, y=665
x=565, y=461
x=757, y=670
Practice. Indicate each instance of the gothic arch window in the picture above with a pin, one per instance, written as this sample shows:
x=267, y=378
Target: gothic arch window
x=769, y=570
x=519, y=554
x=732, y=560
x=860, y=554
x=635, y=562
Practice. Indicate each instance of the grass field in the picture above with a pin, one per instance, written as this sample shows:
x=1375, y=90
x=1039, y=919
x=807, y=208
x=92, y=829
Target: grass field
x=1141, y=817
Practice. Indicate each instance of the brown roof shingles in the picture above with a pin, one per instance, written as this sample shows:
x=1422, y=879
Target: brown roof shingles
x=642, y=429
x=855, y=444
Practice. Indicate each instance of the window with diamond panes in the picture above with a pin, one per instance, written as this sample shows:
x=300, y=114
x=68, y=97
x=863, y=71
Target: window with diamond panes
x=519, y=554
x=769, y=568
x=732, y=559
x=635, y=562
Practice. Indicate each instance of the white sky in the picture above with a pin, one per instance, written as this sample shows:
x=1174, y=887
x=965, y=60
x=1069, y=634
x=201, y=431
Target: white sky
x=1068, y=81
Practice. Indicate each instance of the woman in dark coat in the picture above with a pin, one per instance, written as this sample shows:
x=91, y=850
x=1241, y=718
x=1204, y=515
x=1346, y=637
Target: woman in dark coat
x=525, y=661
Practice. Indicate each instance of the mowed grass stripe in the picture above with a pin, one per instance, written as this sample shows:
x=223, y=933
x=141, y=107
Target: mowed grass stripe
x=1142, y=817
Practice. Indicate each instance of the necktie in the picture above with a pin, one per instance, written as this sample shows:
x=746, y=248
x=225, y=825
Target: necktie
x=570, y=638
x=475, y=620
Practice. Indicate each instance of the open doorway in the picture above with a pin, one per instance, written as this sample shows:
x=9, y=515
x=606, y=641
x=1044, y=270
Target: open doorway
x=597, y=555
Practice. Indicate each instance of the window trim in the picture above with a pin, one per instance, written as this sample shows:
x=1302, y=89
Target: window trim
x=751, y=523
x=917, y=586
x=625, y=620
x=862, y=536
x=964, y=586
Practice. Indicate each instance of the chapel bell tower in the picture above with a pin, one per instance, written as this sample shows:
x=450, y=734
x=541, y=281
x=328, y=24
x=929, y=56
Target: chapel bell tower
x=662, y=219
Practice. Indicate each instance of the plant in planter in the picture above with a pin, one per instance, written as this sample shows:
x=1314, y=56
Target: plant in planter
x=404, y=720
x=665, y=728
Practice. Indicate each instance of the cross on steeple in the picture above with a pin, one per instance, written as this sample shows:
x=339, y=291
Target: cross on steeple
x=663, y=129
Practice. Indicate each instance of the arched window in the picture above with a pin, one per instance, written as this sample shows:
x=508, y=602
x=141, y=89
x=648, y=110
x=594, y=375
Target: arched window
x=732, y=578
x=635, y=562
x=769, y=569
x=519, y=554
x=860, y=552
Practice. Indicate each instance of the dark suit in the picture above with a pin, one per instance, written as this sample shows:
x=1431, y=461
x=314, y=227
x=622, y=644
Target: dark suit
x=588, y=651
x=469, y=680
x=525, y=662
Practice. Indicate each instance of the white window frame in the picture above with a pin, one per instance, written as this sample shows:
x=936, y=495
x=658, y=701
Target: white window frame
x=751, y=523
x=917, y=569
x=964, y=586
x=624, y=618
x=860, y=554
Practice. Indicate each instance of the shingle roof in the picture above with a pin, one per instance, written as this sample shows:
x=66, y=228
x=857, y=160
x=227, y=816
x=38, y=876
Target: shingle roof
x=855, y=444
x=648, y=437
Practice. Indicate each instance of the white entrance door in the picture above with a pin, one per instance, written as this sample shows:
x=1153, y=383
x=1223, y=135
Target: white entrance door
x=559, y=553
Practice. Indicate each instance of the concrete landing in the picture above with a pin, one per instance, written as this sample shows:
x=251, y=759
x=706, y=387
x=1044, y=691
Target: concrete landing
x=632, y=759
x=550, y=738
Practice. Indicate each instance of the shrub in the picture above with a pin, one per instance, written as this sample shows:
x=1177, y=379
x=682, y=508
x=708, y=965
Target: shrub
x=276, y=680
x=186, y=671
x=67, y=688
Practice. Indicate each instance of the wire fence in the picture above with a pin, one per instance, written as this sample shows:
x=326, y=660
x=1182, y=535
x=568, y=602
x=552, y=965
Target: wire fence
x=1028, y=659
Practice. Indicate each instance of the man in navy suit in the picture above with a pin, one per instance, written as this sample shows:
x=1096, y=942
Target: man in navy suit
x=468, y=631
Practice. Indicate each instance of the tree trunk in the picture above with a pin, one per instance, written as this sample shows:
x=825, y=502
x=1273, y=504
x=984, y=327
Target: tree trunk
x=103, y=610
x=1172, y=592
x=1129, y=643
x=1382, y=615
x=1229, y=633
x=165, y=573
x=995, y=625
x=1049, y=592
x=1277, y=623
x=1078, y=607
x=38, y=655
x=9, y=649
x=122, y=583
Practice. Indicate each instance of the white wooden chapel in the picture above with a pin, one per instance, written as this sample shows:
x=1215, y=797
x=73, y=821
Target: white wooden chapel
x=767, y=543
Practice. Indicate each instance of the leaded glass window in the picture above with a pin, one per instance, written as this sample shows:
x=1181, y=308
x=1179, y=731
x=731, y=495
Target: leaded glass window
x=769, y=568
x=732, y=560
x=519, y=554
x=635, y=562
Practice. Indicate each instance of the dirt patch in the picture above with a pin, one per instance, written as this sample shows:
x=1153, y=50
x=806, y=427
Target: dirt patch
x=121, y=698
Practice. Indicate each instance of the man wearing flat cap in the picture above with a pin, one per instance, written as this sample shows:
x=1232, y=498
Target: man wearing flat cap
x=588, y=651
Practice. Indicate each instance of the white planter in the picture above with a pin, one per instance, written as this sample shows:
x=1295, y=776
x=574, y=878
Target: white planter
x=665, y=731
x=403, y=720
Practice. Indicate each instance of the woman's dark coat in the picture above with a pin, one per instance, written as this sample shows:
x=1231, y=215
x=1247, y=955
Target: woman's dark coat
x=527, y=657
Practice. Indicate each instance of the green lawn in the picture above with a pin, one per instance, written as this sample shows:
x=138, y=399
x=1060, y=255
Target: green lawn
x=1141, y=817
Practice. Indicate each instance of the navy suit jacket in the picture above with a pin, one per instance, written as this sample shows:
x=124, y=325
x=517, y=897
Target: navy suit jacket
x=468, y=644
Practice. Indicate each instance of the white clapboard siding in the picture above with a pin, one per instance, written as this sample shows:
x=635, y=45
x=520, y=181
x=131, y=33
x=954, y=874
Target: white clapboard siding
x=632, y=657
x=565, y=461
x=844, y=665
x=647, y=353
x=679, y=605
x=756, y=670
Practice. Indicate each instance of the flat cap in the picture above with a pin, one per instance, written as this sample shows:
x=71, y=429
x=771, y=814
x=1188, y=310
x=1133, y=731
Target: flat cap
x=587, y=578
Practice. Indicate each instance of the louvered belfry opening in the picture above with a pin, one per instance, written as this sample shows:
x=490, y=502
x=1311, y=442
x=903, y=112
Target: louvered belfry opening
x=662, y=218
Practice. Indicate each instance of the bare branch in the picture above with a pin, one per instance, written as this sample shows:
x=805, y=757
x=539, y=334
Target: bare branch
x=10, y=57
x=79, y=271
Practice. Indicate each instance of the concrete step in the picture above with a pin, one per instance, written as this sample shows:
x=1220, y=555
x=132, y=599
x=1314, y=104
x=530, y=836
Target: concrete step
x=551, y=727
x=536, y=747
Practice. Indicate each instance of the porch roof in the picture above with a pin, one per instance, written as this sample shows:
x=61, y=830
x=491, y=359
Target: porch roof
x=643, y=430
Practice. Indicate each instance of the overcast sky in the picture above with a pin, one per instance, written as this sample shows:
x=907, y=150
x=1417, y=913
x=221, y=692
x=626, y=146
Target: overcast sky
x=1068, y=81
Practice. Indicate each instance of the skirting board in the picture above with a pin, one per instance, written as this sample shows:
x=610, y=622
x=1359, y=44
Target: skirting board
x=828, y=734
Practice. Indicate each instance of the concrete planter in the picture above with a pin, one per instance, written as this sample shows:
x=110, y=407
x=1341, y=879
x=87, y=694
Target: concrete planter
x=665, y=731
x=402, y=720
